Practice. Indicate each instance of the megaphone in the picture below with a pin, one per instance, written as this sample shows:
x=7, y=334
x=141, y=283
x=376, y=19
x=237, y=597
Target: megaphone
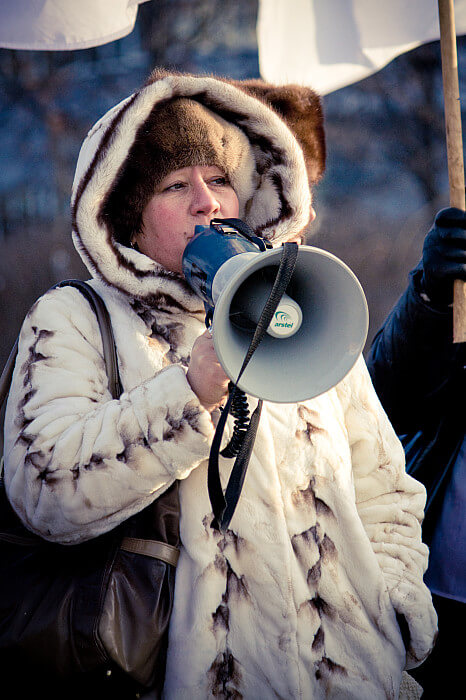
x=318, y=330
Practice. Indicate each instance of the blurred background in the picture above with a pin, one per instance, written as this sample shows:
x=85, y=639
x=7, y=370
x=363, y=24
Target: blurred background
x=386, y=171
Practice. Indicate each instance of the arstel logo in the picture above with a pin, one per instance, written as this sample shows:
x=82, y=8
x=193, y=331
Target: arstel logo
x=283, y=320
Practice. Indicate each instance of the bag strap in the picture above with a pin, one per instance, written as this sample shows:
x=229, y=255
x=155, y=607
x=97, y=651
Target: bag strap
x=223, y=505
x=106, y=331
x=152, y=548
x=108, y=342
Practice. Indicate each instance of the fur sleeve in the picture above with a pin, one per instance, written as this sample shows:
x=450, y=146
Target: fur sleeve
x=390, y=504
x=77, y=463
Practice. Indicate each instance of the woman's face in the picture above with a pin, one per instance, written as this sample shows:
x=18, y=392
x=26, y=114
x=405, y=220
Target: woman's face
x=184, y=199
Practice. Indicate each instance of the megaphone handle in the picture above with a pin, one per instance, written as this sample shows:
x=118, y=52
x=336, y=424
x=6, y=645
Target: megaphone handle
x=224, y=505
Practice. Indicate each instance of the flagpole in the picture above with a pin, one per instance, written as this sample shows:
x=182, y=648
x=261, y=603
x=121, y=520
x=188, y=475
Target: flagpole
x=454, y=144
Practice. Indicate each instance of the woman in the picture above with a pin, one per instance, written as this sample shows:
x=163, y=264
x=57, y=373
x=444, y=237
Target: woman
x=299, y=598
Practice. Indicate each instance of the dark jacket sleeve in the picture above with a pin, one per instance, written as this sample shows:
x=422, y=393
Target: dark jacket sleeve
x=413, y=360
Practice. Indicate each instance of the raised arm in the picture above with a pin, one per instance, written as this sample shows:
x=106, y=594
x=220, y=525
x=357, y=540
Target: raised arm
x=413, y=358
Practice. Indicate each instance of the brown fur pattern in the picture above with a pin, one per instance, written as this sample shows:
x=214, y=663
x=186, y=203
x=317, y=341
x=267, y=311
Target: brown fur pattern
x=301, y=108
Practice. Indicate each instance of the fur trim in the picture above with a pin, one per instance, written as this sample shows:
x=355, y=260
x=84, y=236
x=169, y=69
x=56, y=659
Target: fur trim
x=299, y=106
x=271, y=178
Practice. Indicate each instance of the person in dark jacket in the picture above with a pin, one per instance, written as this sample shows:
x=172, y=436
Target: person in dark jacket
x=419, y=375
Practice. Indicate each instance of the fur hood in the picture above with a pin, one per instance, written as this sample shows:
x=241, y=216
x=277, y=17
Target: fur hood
x=284, y=130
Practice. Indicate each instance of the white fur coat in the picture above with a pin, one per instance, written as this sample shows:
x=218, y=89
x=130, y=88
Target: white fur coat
x=299, y=598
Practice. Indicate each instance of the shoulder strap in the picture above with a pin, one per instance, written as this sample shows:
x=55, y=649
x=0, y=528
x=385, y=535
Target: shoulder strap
x=108, y=342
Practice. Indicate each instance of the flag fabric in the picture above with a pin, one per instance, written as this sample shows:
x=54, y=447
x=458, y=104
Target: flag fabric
x=328, y=44
x=63, y=25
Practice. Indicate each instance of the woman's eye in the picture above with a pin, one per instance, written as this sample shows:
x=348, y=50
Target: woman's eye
x=220, y=180
x=175, y=186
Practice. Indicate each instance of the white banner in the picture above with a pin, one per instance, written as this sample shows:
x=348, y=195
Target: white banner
x=64, y=25
x=328, y=44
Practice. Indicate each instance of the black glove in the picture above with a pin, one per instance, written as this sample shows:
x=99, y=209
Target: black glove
x=444, y=255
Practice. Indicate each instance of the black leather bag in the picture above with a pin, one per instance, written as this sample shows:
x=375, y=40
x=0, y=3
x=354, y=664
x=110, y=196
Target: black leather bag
x=91, y=617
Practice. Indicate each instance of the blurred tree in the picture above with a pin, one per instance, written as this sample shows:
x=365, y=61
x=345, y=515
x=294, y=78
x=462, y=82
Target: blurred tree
x=171, y=28
x=34, y=83
x=394, y=121
x=175, y=32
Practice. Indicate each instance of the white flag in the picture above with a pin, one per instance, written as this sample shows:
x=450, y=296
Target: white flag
x=328, y=44
x=63, y=25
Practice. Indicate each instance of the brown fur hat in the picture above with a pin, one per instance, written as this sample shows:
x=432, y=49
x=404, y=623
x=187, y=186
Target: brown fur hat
x=301, y=109
x=182, y=132
x=179, y=133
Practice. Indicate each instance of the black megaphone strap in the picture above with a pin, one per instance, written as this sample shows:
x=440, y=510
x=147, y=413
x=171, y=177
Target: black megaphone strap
x=223, y=505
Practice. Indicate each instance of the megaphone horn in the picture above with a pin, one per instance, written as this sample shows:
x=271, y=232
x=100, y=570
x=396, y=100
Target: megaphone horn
x=318, y=330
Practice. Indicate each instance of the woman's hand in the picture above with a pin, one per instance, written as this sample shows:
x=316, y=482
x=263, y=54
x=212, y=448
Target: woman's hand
x=205, y=373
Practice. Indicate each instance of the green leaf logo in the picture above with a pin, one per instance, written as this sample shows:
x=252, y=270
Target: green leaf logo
x=283, y=320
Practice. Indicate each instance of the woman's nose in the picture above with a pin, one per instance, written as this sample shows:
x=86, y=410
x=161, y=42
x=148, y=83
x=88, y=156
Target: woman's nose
x=204, y=200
